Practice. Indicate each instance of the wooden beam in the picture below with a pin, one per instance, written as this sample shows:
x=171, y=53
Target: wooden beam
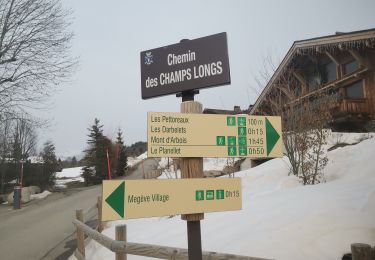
x=332, y=58
x=338, y=83
x=358, y=57
x=339, y=69
x=287, y=92
x=302, y=80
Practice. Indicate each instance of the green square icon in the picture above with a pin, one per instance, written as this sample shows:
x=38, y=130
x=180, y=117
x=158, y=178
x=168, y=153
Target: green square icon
x=241, y=121
x=219, y=194
x=220, y=140
x=242, y=151
x=241, y=131
x=242, y=141
x=231, y=140
x=231, y=120
x=199, y=195
x=232, y=151
x=210, y=194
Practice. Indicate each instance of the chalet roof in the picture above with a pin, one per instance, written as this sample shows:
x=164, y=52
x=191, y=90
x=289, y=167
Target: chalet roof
x=236, y=110
x=341, y=41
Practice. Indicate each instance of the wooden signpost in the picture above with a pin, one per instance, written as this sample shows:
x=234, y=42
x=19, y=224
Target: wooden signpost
x=182, y=69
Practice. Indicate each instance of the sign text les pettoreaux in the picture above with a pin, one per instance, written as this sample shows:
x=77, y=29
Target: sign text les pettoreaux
x=188, y=65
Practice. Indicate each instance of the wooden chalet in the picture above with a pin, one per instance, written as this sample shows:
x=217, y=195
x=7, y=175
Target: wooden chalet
x=335, y=71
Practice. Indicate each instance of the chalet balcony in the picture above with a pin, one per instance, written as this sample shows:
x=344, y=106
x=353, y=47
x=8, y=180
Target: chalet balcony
x=355, y=107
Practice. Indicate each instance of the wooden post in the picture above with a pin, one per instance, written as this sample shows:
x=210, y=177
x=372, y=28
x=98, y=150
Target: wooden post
x=121, y=236
x=80, y=233
x=361, y=251
x=192, y=168
x=99, y=205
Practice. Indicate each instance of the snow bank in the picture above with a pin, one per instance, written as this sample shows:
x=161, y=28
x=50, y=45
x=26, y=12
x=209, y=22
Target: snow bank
x=280, y=219
x=134, y=160
x=40, y=195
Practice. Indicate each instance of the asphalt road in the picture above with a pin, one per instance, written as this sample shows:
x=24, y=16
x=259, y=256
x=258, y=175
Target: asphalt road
x=43, y=229
x=29, y=233
x=143, y=167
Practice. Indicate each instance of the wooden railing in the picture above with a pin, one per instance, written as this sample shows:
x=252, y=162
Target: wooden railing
x=355, y=106
x=350, y=106
x=121, y=247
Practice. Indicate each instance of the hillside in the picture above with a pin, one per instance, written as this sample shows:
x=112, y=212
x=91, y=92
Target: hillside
x=280, y=219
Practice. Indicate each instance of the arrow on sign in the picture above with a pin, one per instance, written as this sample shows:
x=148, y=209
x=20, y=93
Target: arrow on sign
x=116, y=199
x=271, y=136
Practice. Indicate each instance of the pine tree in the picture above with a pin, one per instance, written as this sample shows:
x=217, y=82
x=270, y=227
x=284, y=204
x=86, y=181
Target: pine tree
x=122, y=159
x=49, y=165
x=95, y=155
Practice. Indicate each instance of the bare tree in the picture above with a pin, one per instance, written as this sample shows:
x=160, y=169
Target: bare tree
x=34, y=52
x=18, y=141
x=5, y=137
x=24, y=139
x=303, y=120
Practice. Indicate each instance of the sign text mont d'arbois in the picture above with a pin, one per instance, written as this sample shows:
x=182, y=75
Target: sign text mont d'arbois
x=188, y=65
x=205, y=135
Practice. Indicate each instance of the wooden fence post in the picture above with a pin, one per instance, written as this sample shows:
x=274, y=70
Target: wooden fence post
x=121, y=236
x=99, y=205
x=80, y=233
x=361, y=251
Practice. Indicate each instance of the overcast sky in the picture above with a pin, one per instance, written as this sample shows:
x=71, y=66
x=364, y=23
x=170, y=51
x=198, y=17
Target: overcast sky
x=109, y=35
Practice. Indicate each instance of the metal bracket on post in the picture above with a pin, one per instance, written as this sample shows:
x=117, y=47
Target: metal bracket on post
x=187, y=95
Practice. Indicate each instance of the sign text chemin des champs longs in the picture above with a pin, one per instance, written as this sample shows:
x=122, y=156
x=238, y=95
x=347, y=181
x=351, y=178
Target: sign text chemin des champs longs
x=188, y=65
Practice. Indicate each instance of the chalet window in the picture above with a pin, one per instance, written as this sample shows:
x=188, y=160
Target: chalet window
x=355, y=90
x=313, y=80
x=329, y=72
x=321, y=74
x=350, y=67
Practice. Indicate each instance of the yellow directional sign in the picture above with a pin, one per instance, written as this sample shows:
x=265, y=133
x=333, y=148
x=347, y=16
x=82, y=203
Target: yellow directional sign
x=154, y=198
x=202, y=135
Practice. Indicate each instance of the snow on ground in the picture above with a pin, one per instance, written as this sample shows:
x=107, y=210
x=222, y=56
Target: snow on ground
x=280, y=219
x=68, y=175
x=348, y=138
x=40, y=195
x=217, y=164
x=134, y=160
x=209, y=164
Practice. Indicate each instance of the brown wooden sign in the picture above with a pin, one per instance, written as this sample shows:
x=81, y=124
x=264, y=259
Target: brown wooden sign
x=188, y=65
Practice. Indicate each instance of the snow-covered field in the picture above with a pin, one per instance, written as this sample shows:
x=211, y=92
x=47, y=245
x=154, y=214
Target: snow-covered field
x=68, y=175
x=280, y=219
x=74, y=174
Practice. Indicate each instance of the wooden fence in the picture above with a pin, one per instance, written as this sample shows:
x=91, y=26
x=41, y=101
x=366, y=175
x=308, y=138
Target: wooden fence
x=121, y=247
